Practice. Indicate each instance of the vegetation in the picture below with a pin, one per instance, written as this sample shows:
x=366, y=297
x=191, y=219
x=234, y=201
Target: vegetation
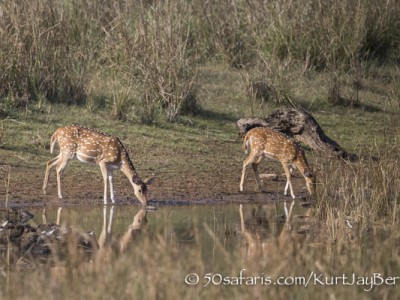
x=137, y=58
x=171, y=78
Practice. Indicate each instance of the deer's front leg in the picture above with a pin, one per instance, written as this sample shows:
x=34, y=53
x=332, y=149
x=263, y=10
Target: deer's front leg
x=104, y=172
x=110, y=180
x=288, y=180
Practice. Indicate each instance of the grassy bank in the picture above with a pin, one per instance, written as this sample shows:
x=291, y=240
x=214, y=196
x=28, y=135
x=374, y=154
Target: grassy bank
x=171, y=79
x=203, y=152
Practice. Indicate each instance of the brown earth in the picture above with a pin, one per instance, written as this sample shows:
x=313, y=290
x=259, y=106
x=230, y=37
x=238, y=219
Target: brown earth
x=83, y=184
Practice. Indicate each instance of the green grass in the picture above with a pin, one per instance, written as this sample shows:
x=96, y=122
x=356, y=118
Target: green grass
x=102, y=82
x=207, y=145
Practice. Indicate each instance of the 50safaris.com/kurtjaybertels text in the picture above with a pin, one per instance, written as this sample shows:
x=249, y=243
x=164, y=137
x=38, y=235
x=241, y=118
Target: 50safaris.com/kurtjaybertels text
x=368, y=282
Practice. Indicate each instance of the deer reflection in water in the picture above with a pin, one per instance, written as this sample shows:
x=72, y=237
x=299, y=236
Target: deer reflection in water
x=44, y=215
x=25, y=246
x=263, y=231
x=108, y=245
x=256, y=229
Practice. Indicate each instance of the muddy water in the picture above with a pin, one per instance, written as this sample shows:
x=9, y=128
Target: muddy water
x=178, y=225
x=162, y=251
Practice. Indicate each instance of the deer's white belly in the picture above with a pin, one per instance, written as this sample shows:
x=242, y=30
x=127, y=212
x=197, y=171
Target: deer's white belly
x=114, y=166
x=85, y=158
x=270, y=155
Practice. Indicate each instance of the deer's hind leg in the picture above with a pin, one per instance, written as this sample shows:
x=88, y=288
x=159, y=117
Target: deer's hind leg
x=254, y=159
x=50, y=164
x=254, y=165
x=63, y=161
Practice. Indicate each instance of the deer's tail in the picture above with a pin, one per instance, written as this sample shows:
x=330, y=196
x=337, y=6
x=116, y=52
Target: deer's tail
x=53, y=140
x=246, y=143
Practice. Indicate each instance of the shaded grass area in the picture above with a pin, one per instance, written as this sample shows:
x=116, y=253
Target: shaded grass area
x=196, y=147
x=171, y=86
x=200, y=157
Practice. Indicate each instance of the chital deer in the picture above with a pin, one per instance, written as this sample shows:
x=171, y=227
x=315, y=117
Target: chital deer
x=265, y=142
x=89, y=145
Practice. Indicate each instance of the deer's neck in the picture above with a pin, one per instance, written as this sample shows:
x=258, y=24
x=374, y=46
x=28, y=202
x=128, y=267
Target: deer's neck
x=128, y=169
x=302, y=162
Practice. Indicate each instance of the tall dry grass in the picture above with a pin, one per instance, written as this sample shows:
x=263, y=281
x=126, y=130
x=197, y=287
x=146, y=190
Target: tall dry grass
x=148, y=46
x=47, y=50
x=140, y=58
x=366, y=191
x=156, y=263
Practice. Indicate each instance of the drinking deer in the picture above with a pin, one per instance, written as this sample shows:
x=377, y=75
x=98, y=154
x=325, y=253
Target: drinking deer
x=265, y=142
x=92, y=146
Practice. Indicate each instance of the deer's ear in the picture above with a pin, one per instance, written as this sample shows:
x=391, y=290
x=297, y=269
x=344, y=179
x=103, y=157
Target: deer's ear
x=137, y=180
x=149, y=180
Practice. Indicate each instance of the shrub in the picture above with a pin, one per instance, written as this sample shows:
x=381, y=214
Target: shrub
x=44, y=51
x=53, y=50
x=148, y=47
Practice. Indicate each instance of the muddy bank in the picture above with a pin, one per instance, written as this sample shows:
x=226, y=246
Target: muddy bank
x=192, y=189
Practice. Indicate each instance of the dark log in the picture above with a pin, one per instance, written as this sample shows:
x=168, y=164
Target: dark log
x=300, y=125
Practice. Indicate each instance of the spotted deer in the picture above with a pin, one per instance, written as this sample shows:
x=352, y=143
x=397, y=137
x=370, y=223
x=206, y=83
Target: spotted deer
x=91, y=146
x=265, y=142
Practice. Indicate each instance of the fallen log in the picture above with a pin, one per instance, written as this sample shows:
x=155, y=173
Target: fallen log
x=25, y=246
x=300, y=125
